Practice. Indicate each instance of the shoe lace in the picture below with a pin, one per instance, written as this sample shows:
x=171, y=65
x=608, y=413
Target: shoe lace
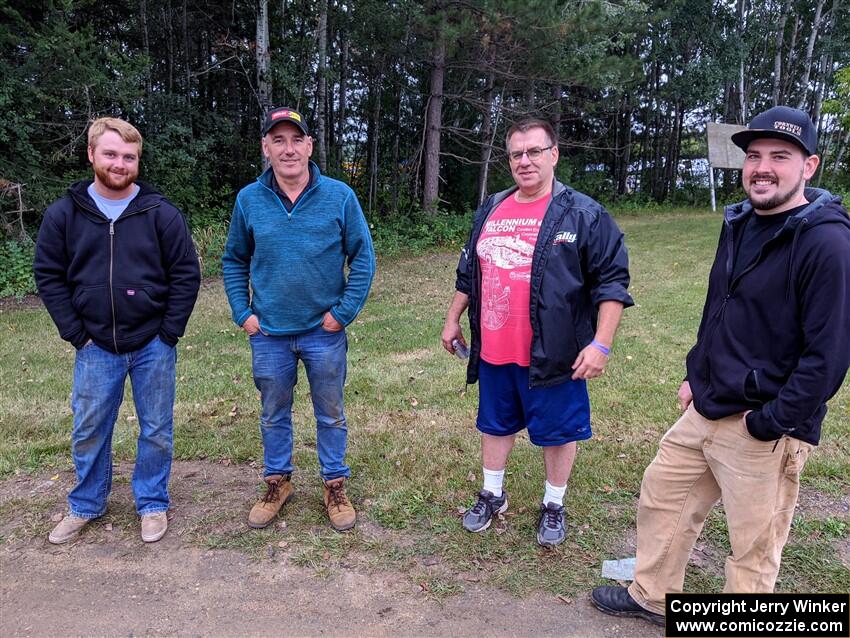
x=337, y=495
x=551, y=518
x=272, y=492
x=481, y=506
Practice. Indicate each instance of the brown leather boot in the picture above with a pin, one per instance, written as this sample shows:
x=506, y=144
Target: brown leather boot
x=278, y=491
x=340, y=510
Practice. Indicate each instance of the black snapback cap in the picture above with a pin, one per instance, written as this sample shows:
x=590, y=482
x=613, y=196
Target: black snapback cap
x=782, y=123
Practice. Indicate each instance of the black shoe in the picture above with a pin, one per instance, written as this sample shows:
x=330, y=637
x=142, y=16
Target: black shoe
x=615, y=600
x=478, y=517
x=550, y=527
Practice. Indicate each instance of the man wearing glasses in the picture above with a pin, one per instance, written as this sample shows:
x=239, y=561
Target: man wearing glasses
x=544, y=276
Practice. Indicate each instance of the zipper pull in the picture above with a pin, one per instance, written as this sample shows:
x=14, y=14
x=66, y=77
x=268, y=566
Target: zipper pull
x=111, y=228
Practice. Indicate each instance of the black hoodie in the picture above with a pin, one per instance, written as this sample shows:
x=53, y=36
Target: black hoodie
x=776, y=339
x=118, y=283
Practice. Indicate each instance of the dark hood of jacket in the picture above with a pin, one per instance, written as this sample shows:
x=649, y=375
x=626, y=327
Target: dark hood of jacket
x=776, y=338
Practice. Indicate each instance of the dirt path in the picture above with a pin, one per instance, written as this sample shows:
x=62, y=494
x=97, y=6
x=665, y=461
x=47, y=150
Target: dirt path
x=108, y=583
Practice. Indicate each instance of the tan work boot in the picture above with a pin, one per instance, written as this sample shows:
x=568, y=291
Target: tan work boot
x=67, y=529
x=154, y=526
x=340, y=510
x=278, y=491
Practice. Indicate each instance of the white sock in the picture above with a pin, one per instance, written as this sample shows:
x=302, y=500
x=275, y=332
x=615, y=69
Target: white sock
x=493, y=480
x=554, y=494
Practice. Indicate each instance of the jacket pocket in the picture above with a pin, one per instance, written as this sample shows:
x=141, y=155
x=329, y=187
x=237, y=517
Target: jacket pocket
x=137, y=310
x=92, y=304
x=752, y=388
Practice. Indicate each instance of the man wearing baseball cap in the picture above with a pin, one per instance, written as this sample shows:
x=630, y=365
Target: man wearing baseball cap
x=772, y=348
x=292, y=234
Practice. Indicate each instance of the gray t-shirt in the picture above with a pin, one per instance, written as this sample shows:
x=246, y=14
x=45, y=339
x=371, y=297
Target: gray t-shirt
x=112, y=208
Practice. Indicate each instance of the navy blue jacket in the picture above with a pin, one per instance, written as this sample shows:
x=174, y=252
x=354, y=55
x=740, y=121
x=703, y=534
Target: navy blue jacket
x=118, y=283
x=579, y=261
x=776, y=339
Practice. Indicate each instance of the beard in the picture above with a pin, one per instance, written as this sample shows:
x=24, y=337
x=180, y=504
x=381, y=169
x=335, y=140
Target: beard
x=115, y=181
x=777, y=199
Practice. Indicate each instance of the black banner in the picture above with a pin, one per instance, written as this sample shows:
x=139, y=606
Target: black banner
x=758, y=615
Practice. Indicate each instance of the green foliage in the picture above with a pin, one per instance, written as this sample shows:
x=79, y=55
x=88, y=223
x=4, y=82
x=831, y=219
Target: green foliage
x=16, y=278
x=209, y=244
x=415, y=232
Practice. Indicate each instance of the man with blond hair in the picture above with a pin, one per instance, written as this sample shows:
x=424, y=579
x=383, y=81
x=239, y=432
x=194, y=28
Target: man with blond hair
x=117, y=271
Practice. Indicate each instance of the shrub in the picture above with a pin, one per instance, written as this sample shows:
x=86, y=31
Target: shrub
x=16, y=277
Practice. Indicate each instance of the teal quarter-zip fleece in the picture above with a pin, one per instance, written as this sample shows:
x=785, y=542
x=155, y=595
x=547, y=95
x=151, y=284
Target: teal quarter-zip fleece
x=288, y=268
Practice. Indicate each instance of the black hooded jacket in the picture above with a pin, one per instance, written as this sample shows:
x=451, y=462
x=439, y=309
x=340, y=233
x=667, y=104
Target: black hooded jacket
x=579, y=261
x=776, y=339
x=118, y=283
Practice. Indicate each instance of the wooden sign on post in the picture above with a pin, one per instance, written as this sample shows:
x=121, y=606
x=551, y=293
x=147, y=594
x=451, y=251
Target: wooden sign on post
x=722, y=153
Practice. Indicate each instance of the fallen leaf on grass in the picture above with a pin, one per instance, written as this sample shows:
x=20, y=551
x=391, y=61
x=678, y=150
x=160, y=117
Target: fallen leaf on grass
x=234, y=410
x=414, y=402
x=55, y=477
x=470, y=477
x=282, y=544
x=56, y=518
x=108, y=527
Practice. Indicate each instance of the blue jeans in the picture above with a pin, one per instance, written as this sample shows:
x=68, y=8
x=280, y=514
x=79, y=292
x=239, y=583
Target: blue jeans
x=97, y=394
x=275, y=367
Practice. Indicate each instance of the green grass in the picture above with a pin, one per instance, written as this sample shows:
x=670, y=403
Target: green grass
x=414, y=450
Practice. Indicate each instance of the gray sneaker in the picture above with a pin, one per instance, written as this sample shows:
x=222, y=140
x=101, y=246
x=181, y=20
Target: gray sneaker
x=478, y=517
x=550, y=527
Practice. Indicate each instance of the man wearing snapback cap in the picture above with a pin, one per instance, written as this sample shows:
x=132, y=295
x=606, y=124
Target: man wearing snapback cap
x=292, y=234
x=772, y=348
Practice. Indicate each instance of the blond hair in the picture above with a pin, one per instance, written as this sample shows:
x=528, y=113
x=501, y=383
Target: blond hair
x=129, y=133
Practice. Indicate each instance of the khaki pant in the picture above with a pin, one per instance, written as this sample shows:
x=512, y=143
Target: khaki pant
x=698, y=462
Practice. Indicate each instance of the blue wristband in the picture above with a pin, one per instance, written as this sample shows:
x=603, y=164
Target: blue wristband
x=604, y=350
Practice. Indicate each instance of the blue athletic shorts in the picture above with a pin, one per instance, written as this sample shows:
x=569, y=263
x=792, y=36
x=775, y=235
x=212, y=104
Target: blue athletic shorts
x=554, y=415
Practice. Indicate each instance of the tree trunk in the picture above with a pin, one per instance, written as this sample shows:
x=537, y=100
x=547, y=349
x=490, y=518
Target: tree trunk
x=147, y=44
x=187, y=67
x=486, y=133
x=170, y=62
x=840, y=154
x=396, y=155
x=777, y=58
x=323, y=85
x=807, y=62
x=343, y=90
x=264, y=86
x=430, y=194
x=374, y=135
x=742, y=93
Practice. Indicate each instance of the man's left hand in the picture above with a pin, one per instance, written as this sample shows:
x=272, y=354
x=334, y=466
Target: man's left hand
x=589, y=363
x=330, y=324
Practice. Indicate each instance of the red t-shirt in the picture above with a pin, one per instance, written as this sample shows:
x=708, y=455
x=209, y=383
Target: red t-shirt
x=505, y=248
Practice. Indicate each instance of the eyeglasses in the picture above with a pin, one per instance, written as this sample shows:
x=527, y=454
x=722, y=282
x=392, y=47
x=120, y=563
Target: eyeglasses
x=533, y=153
